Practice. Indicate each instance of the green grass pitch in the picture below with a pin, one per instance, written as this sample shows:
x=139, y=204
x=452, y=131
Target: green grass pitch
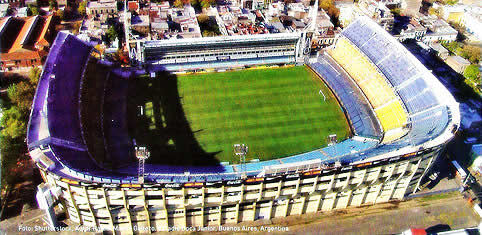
x=277, y=112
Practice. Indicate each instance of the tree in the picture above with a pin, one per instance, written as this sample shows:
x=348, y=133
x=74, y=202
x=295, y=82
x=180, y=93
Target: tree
x=22, y=93
x=472, y=53
x=60, y=14
x=207, y=3
x=82, y=7
x=472, y=72
x=207, y=33
x=452, y=46
x=32, y=10
x=433, y=11
x=111, y=33
x=52, y=5
x=14, y=125
x=396, y=11
x=34, y=75
x=451, y=2
x=178, y=4
x=329, y=7
x=202, y=18
x=76, y=27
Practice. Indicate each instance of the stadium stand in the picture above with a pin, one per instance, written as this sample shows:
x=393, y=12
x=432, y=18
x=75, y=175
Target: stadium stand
x=63, y=94
x=359, y=112
x=391, y=115
x=383, y=99
x=405, y=74
x=363, y=72
x=220, y=52
x=118, y=144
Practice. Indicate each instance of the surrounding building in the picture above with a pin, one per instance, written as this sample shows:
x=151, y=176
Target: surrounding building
x=440, y=51
x=4, y=9
x=457, y=63
x=25, y=41
x=473, y=21
x=476, y=158
x=437, y=30
x=414, y=30
x=102, y=7
x=376, y=10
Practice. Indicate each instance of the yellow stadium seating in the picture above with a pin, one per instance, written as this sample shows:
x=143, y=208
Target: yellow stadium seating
x=391, y=116
x=387, y=107
x=363, y=72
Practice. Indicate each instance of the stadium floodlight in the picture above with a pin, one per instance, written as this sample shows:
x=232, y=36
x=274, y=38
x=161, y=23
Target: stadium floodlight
x=142, y=153
x=241, y=150
x=332, y=139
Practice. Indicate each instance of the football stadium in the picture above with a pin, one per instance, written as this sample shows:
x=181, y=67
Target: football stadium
x=359, y=124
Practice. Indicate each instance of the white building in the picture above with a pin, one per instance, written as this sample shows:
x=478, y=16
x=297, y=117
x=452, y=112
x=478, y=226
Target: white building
x=377, y=11
x=437, y=30
x=472, y=21
x=102, y=7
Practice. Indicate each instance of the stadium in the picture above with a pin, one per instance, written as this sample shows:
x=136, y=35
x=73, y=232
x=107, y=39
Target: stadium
x=394, y=119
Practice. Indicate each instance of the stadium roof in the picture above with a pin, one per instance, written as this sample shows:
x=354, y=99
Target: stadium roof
x=216, y=40
x=405, y=68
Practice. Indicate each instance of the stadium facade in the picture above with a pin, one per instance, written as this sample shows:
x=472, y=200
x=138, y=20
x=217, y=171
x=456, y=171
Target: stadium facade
x=401, y=116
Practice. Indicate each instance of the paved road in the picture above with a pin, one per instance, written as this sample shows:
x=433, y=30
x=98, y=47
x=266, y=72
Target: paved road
x=390, y=218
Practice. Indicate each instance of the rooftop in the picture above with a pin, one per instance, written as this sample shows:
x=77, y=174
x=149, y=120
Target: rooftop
x=459, y=60
x=102, y=4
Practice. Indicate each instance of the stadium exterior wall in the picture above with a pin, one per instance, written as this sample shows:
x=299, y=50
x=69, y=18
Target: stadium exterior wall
x=148, y=208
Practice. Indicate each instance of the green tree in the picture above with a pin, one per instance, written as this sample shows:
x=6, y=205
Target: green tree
x=111, y=33
x=178, y=4
x=451, y=2
x=472, y=53
x=433, y=11
x=452, y=46
x=22, y=95
x=34, y=75
x=76, y=27
x=202, y=18
x=472, y=72
x=207, y=3
x=60, y=14
x=52, y=5
x=13, y=123
x=329, y=7
x=82, y=7
x=207, y=33
x=396, y=11
x=32, y=10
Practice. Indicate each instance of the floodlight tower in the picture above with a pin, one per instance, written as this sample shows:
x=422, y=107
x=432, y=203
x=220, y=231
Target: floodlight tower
x=142, y=153
x=126, y=29
x=304, y=44
x=241, y=150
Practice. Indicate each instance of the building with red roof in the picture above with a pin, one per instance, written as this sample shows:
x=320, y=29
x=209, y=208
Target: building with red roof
x=25, y=41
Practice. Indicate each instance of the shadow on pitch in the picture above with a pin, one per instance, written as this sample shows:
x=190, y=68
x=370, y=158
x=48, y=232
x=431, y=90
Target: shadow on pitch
x=161, y=123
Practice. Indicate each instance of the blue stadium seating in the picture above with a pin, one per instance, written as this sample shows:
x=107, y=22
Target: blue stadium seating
x=355, y=105
x=64, y=90
x=304, y=157
x=118, y=143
